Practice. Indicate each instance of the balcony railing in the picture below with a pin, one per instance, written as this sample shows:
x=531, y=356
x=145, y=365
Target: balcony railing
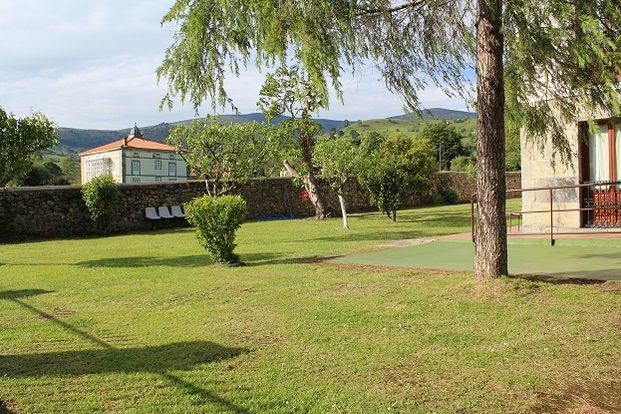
x=600, y=208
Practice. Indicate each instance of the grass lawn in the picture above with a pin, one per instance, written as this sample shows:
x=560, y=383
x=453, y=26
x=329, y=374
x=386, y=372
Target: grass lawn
x=145, y=324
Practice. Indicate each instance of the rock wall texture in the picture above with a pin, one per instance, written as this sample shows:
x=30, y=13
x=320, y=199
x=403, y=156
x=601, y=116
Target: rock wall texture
x=52, y=212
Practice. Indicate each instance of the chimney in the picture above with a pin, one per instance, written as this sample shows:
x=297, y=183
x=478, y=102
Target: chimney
x=125, y=141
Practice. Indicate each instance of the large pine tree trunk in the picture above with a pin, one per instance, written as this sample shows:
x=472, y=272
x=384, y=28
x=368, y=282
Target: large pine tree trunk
x=491, y=240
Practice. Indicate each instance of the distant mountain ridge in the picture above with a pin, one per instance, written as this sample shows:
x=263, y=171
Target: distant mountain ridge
x=76, y=140
x=436, y=113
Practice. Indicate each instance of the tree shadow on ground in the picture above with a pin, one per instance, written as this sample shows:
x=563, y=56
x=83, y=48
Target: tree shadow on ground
x=4, y=409
x=573, y=278
x=198, y=260
x=160, y=360
x=422, y=214
x=376, y=235
x=23, y=293
x=33, y=239
x=292, y=260
x=179, y=356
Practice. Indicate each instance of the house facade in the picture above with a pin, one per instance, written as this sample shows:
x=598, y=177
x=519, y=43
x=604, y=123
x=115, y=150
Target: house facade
x=134, y=159
x=582, y=195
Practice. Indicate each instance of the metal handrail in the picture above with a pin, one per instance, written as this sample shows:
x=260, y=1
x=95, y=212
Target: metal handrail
x=551, y=210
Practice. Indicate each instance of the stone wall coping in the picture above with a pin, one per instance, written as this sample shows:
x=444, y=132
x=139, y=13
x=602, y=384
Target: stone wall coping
x=128, y=185
x=145, y=185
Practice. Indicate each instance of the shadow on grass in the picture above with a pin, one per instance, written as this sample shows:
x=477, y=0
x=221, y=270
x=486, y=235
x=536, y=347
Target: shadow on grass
x=32, y=239
x=197, y=260
x=23, y=293
x=575, y=278
x=291, y=260
x=4, y=409
x=373, y=235
x=161, y=359
x=179, y=356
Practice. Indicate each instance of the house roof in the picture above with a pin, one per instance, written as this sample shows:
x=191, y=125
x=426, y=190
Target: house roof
x=133, y=142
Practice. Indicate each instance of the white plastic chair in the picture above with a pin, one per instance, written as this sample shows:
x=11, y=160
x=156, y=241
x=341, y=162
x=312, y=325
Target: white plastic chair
x=151, y=214
x=177, y=212
x=164, y=212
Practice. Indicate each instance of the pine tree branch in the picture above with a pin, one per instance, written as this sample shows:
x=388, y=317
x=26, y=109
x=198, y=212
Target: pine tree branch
x=365, y=12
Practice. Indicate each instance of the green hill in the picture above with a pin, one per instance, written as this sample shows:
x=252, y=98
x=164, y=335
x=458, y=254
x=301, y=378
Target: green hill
x=409, y=125
x=436, y=113
x=73, y=140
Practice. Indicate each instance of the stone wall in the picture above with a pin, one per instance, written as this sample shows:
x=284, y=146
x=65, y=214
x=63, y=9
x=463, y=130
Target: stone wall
x=465, y=186
x=48, y=212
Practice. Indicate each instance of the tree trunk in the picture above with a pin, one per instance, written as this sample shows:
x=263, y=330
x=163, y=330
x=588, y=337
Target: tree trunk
x=491, y=240
x=310, y=181
x=343, y=210
x=310, y=184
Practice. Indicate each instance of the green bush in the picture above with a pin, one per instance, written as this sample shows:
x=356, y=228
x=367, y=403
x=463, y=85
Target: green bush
x=449, y=196
x=100, y=195
x=465, y=164
x=437, y=199
x=216, y=220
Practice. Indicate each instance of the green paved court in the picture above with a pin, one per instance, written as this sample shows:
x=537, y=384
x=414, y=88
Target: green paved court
x=587, y=259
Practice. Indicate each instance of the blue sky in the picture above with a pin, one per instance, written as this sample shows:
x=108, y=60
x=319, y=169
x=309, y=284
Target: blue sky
x=91, y=64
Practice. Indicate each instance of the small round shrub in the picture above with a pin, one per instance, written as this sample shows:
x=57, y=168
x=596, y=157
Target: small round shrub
x=216, y=220
x=100, y=196
x=450, y=196
x=437, y=199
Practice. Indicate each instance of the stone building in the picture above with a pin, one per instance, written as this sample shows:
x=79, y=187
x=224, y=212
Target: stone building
x=586, y=188
x=134, y=159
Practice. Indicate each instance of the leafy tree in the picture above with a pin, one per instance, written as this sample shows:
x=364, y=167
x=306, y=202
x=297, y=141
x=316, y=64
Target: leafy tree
x=226, y=156
x=338, y=158
x=290, y=92
x=524, y=42
x=446, y=140
x=370, y=142
x=464, y=163
x=71, y=169
x=21, y=141
x=512, y=147
x=355, y=136
x=400, y=167
x=47, y=173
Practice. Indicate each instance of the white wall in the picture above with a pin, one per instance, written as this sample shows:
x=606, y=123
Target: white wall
x=102, y=163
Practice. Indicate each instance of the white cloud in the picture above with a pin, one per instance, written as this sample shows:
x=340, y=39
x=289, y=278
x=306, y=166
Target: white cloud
x=92, y=65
